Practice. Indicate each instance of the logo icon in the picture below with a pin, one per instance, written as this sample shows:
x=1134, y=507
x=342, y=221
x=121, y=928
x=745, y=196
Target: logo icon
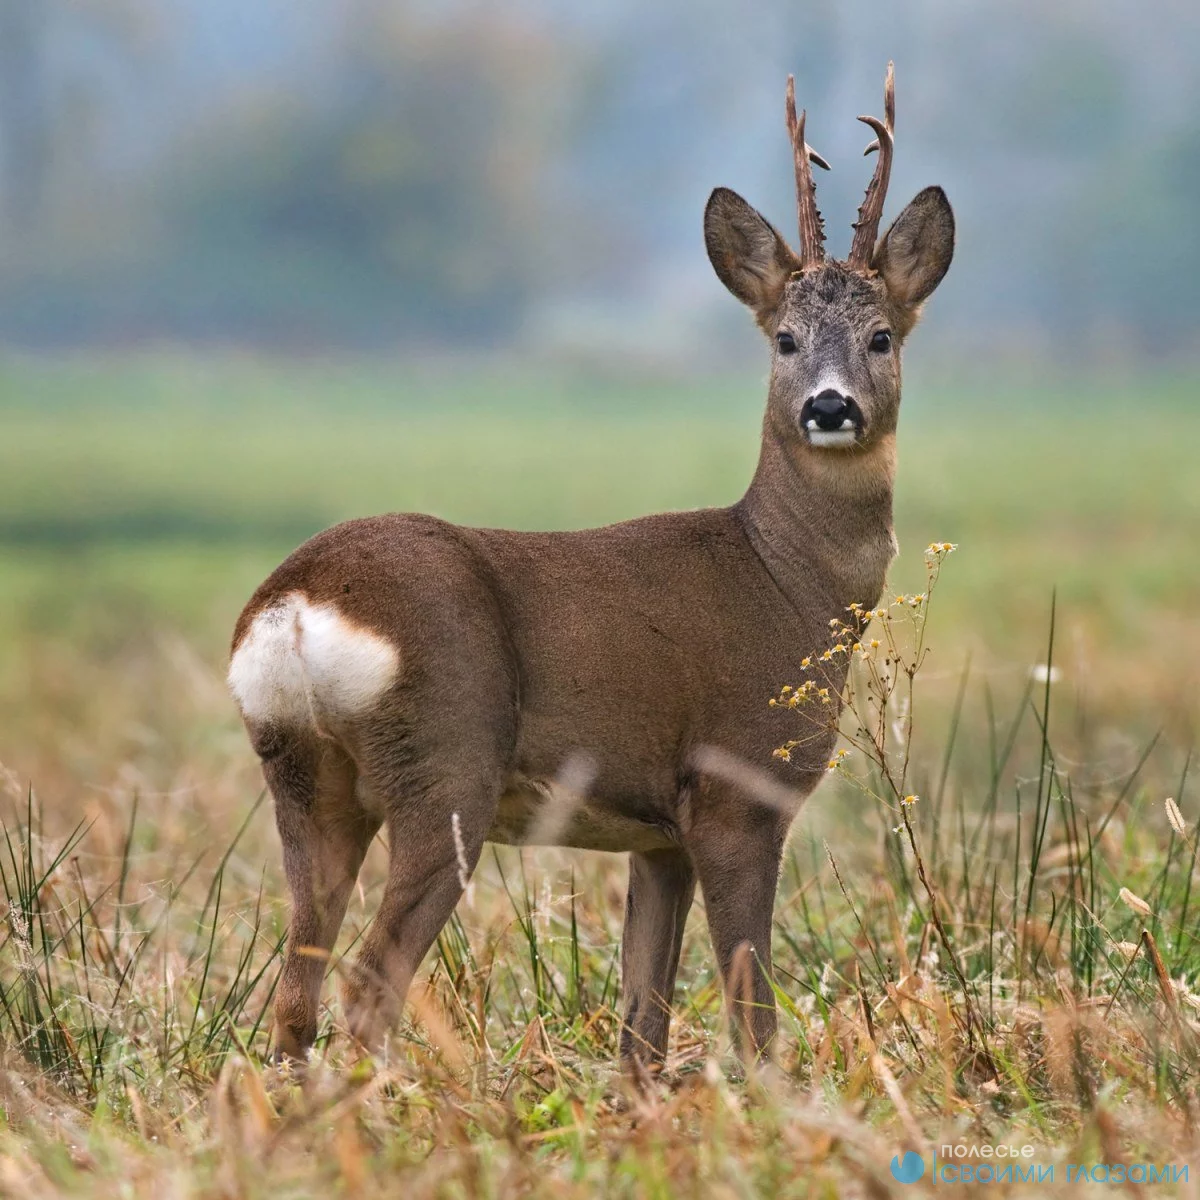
x=909, y=1169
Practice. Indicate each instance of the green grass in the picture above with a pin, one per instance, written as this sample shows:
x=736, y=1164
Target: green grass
x=141, y=500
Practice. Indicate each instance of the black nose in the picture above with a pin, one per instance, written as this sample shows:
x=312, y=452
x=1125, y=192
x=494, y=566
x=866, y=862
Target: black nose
x=830, y=409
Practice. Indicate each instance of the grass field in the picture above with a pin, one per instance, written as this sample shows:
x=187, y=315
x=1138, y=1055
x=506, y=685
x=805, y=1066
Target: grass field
x=140, y=502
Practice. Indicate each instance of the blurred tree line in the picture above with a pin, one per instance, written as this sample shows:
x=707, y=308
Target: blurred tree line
x=373, y=172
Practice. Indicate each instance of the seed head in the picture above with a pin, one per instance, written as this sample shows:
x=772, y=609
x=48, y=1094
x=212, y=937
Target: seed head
x=1175, y=817
x=1136, y=903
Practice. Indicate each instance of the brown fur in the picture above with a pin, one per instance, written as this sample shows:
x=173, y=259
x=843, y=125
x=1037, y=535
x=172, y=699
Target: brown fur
x=634, y=645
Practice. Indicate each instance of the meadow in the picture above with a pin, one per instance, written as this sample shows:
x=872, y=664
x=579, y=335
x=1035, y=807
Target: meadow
x=1012, y=959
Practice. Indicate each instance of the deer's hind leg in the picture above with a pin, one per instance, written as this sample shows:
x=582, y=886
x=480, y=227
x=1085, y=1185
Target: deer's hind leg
x=438, y=807
x=325, y=833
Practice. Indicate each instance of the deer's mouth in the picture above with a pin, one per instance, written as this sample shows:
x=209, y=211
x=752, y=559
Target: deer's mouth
x=832, y=427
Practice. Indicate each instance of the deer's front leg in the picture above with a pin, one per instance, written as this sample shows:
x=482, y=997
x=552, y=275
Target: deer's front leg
x=736, y=853
x=661, y=887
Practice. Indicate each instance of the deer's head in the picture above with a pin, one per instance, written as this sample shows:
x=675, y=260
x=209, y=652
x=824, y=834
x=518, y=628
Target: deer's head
x=836, y=327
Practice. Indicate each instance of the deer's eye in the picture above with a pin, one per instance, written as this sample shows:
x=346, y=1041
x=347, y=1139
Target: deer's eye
x=881, y=341
x=786, y=343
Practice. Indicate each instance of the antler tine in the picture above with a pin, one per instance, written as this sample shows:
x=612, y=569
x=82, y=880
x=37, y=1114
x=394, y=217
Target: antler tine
x=812, y=228
x=866, y=228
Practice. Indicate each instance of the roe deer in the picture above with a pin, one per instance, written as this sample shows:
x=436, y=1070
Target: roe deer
x=402, y=671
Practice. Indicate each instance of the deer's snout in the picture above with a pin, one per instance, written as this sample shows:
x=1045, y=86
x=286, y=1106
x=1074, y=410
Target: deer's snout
x=830, y=411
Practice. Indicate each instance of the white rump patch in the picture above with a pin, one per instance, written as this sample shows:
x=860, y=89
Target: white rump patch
x=304, y=663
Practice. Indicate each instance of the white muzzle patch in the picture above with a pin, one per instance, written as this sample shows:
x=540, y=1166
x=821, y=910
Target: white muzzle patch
x=836, y=438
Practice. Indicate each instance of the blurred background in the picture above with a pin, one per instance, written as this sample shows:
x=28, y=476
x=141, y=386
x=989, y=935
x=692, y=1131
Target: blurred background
x=267, y=266
x=382, y=174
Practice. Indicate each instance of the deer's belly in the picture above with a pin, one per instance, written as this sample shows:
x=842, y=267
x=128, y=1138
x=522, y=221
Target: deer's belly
x=538, y=812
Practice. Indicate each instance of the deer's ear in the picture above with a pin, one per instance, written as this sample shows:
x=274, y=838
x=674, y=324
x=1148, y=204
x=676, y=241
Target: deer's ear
x=915, y=253
x=749, y=257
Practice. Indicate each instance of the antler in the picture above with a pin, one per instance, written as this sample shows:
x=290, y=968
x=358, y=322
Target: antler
x=866, y=228
x=812, y=228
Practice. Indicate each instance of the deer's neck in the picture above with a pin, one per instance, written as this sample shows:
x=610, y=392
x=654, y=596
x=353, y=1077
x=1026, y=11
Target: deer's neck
x=821, y=521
